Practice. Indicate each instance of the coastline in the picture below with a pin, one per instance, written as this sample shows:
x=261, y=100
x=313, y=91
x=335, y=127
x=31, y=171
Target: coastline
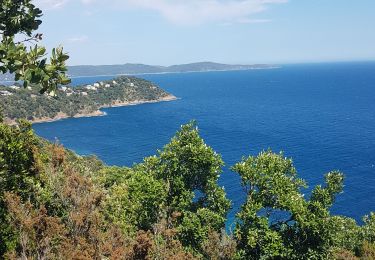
x=174, y=72
x=167, y=98
x=61, y=116
x=161, y=73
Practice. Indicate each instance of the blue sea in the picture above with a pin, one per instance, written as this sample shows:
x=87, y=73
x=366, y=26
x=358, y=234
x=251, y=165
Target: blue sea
x=321, y=115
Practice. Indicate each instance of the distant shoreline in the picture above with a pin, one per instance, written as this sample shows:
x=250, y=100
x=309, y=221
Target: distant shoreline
x=171, y=72
x=61, y=116
x=158, y=73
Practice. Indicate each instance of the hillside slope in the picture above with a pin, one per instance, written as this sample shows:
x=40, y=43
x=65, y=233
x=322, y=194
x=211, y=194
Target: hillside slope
x=17, y=102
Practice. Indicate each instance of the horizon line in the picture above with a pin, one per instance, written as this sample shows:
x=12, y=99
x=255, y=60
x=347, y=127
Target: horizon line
x=233, y=64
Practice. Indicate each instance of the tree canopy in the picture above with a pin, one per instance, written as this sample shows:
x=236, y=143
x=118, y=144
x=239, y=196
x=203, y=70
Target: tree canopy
x=55, y=204
x=277, y=219
x=24, y=58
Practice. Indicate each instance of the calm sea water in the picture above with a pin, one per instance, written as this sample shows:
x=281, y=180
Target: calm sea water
x=323, y=116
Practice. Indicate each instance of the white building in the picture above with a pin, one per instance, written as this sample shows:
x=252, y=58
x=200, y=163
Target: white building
x=5, y=93
x=107, y=86
x=84, y=93
x=64, y=88
x=89, y=87
x=14, y=87
x=97, y=85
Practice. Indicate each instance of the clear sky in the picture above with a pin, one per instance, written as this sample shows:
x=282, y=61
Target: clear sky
x=166, y=32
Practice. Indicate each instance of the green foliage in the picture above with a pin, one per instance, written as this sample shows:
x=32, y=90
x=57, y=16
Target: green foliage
x=19, y=17
x=17, y=147
x=135, y=201
x=30, y=104
x=368, y=229
x=17, y=172
x=277, y=220
x=191, y=170
x=57, y=205
x=28, y=64
x=345, y=233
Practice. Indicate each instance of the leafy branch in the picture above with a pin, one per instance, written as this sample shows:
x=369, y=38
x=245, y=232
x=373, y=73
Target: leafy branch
x=28, y=64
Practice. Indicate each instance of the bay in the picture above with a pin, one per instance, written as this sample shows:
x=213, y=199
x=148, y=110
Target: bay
x=321, y=115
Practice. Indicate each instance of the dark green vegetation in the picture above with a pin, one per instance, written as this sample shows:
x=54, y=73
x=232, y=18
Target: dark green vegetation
x=24, y=58
x=55, y=204
x=84, y=100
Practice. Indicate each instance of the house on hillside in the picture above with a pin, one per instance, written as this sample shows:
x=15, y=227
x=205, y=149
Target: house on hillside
x=5, y=93
x=90, y=87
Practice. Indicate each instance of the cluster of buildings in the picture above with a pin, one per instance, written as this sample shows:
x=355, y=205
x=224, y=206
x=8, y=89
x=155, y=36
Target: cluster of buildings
x=99, y=85
x=5, y=93
x=70, y=91
x=8, y=93
x=14, y=87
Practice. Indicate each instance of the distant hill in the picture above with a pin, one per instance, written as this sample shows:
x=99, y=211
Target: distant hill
x=129, y=68
x=132, y=69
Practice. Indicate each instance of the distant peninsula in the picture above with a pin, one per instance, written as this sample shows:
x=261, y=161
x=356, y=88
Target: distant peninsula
x=81, y=101
x=133, y=69
x=136, y=69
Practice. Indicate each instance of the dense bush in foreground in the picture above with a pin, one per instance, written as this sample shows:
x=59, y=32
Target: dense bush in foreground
x=55, y=204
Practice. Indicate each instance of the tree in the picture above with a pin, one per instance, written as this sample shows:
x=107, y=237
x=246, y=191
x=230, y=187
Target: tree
x=40, y=236
x=277, y=221
x=135, y=201
x=25, y=58
x=191, y=170
x=18, y=147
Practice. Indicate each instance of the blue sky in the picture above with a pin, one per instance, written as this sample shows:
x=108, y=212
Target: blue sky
x=166, y=32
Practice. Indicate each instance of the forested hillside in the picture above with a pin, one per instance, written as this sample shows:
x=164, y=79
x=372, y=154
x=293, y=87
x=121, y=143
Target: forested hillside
x=18, y=102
